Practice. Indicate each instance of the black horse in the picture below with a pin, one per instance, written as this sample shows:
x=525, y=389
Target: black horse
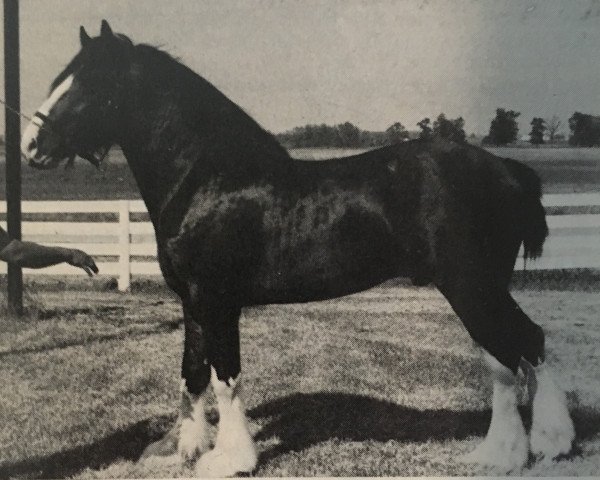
x=240, y=223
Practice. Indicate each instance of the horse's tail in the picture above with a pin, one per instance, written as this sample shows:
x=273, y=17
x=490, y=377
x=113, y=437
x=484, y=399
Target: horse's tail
x=532, y=214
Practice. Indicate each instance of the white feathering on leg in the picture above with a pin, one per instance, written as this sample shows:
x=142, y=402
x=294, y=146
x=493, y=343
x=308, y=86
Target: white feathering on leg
x=234, y=450
x=552, y=430
x=193, y=433
x=505, y=445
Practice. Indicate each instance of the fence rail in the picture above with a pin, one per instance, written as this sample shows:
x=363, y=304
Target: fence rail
x=126, y=247
x=117, y=243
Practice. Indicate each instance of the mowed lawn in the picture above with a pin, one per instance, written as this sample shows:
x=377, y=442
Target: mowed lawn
x=382, y=383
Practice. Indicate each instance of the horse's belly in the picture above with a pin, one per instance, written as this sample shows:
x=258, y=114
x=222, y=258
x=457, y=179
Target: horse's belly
x=315, y=284
x=319, y=268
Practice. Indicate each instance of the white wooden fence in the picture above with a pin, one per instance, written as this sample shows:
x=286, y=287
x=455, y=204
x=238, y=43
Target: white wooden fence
x=122, y=238
x=574, y=240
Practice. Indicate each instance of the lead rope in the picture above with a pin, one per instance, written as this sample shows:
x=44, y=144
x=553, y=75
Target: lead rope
x=15, y=110
x=22, y=115
x=71, y=160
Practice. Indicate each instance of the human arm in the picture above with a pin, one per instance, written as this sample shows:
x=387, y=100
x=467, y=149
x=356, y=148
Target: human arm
x=33, y=255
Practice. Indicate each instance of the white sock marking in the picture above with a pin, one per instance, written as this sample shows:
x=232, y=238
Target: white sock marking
x=552, y=430
x=234, y=448
x=505, y=445
x=193, y=433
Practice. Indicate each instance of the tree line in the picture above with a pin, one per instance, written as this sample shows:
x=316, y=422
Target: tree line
x=584, y=129
x=348, y=135
x=503, y=130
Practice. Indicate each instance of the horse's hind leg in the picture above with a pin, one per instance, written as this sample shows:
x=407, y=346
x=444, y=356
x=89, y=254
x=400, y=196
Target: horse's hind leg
x=505, y=445
x=552, y=430
x=234, y=450
x=507, y=335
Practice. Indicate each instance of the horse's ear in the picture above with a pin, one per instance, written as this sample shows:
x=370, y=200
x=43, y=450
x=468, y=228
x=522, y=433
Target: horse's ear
x=105, y=30
x=84, y=38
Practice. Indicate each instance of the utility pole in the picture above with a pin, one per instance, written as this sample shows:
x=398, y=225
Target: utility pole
x=13, y=149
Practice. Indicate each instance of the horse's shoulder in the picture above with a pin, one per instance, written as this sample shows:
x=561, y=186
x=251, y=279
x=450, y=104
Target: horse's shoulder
x=214, y=211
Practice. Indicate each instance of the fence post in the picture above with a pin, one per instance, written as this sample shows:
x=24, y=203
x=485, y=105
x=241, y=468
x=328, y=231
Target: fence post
x=124, y=279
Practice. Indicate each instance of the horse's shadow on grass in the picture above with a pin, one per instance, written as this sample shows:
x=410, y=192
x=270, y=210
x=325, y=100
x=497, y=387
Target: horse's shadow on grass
x=125, y=444
x=298, y=422
x=301, y=420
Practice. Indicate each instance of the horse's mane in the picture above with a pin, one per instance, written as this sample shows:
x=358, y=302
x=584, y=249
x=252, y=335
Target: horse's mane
x=205, y=109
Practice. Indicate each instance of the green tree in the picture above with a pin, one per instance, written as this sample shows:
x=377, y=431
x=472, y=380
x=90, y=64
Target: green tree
x=538, y=128
x=426, y=131
x=396, y=133
x=504, y=128
x=451, y=129
x=585, y=130
x=348, y=134
x=552, y=126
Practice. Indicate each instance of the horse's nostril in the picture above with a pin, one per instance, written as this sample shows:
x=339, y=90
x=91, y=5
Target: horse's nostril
x=32, y=144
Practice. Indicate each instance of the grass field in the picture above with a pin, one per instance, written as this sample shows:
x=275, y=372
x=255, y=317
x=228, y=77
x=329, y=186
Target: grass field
x=381, y=383
x=563, y=170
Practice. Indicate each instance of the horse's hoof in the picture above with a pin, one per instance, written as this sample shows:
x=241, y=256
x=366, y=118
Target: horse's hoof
x=192, y=445
x=222, y=463
x=504, y=456
x=552, y=430
x=555, y=439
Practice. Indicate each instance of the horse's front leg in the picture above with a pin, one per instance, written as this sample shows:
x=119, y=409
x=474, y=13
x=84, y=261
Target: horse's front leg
x=189, y=435
x=234, y=450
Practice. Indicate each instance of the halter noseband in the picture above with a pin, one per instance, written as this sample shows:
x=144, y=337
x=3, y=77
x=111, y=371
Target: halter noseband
x=42, y=117
x=46, y=123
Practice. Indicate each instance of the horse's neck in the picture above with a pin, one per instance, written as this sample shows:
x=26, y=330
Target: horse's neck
x=171, y=160
x=158, y=183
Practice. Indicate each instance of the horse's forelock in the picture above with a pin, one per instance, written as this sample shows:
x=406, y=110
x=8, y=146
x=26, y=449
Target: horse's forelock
x=68, y=70
x=79, y=59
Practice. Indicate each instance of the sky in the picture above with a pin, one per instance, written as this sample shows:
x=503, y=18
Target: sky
x=370, y=62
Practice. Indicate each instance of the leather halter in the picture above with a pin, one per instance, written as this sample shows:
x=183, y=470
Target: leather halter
x=42, y=117
x=46, y=123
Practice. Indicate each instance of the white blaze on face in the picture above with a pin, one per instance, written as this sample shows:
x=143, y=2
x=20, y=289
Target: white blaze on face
x=29, y=139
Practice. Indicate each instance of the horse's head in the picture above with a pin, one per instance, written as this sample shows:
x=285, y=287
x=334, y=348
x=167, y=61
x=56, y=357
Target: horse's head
x=83, y=113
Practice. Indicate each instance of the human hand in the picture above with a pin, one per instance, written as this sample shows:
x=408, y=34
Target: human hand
x=83, y=260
